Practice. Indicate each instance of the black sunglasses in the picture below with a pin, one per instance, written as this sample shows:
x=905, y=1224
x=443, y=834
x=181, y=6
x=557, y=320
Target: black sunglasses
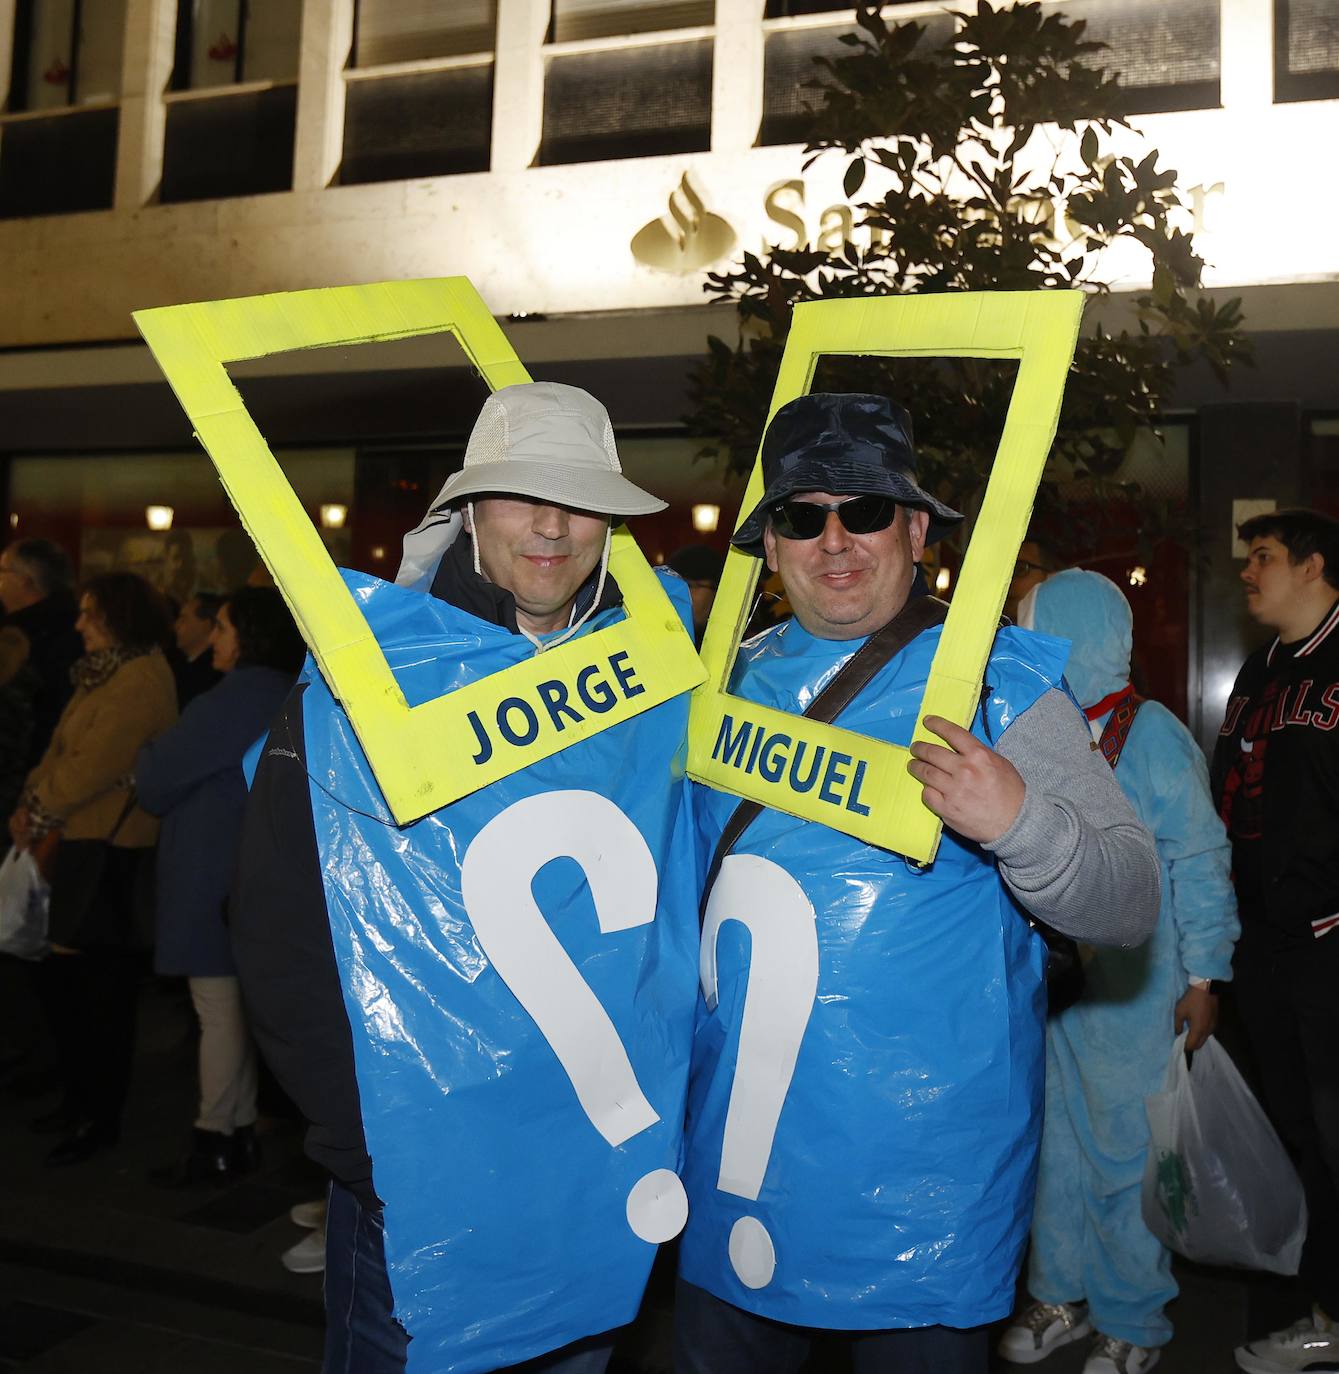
x=858, y=514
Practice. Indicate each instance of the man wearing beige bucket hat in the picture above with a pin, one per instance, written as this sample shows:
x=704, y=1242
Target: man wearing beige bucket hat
x=540, y=481
x=514, y=548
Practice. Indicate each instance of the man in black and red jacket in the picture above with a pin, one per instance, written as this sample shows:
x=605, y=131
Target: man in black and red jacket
x=1276, y=781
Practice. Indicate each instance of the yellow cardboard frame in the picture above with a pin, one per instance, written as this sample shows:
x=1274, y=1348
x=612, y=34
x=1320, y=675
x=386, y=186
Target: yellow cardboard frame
x=429, y=755
x=864, y=789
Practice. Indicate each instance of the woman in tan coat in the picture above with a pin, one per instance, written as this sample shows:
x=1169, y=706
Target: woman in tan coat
x=78, y=812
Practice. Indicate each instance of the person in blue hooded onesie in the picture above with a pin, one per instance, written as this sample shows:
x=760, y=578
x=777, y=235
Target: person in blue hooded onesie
x=866, y=1097
x=486, y=1015
x=1094, y=1265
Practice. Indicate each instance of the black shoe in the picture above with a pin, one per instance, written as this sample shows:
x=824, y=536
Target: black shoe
x=83, y=1143
x=59, y=1121
x=209, y=1160
x=245, y=1150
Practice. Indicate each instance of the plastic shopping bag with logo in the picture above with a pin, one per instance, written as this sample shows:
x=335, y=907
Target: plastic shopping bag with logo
x=1218, y=1185
x=23, y=906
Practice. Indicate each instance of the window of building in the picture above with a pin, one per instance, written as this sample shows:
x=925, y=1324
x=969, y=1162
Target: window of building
x=226, y=42
x=58, y=143
x=420, y=124
x=233, y=110
x=638, y=101
x=1306, y=50
x=420, y=93
x=1168, y=56
x=574, y=21
x=394, y=31
x=789, y=65
x=66, y=53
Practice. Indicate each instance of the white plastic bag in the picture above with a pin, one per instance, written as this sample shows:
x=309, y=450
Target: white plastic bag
x=1218, y=1185
x=23, y=906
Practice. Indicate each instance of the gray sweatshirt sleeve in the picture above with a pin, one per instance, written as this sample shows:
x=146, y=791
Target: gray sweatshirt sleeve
x=1076, y=855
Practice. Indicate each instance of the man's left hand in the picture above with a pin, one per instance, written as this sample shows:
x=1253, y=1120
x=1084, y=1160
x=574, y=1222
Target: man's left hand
x=1198, y=1009
x=977, y=792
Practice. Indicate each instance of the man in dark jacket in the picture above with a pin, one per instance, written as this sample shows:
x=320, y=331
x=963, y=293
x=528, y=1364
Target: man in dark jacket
x=38, y=601
x=1276, y=780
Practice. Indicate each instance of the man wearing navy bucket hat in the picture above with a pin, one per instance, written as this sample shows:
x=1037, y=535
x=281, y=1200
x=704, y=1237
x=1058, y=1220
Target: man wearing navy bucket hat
x=896, y=1197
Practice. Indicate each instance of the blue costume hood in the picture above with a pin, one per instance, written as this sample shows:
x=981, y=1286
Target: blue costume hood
x=1092, y=613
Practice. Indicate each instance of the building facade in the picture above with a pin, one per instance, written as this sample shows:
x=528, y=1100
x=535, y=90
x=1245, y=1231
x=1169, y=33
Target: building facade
x=584, y=163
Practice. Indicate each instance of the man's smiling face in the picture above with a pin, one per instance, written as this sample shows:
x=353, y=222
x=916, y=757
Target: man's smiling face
x=843, y=585
x=540, y=553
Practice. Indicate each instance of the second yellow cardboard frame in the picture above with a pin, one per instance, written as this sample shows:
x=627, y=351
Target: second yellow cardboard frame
x=429, y=755
x=865, y=789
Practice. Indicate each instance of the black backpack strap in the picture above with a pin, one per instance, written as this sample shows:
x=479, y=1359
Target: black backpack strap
x=919, y=614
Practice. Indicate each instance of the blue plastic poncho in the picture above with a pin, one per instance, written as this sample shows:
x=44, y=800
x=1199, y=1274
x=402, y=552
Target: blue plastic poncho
x=514, y=1164
x=886, y=1018
x=1109, y=1051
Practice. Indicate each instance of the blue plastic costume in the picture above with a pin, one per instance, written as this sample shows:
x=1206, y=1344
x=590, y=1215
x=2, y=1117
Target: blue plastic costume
x=897, y=1189
x=508, y=1221
x=1108, y=1052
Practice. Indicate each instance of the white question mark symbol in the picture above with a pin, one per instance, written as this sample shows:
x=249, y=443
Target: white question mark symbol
x=495, y=884
x=783, y=981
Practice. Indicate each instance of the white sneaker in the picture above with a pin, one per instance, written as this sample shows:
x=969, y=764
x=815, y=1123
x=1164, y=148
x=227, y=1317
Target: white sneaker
x=309, y=1215
x=1311, y=1343
x=1041, y=1328
x=1112, y=1356
x=307, y=1256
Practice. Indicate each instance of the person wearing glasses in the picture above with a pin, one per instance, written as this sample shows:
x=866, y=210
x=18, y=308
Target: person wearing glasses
x=1034, y=565
x=896, y=1196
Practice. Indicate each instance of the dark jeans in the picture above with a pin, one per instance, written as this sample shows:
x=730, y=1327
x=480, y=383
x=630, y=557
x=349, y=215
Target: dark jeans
x=714, y=1337
x=89, y=1001
x=1289, y=1005
x=361, y=1335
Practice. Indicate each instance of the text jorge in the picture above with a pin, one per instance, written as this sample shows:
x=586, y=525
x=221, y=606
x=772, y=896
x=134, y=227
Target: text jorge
x=519, y=722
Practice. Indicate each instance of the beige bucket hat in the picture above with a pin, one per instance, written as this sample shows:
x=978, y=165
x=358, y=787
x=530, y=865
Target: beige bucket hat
x=550, y=442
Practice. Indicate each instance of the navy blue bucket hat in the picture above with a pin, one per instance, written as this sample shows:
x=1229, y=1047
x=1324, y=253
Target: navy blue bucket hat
x=846, y=443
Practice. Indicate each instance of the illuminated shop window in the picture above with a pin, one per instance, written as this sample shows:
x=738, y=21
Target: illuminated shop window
x=232, y=113
x=576, y=20
x=1306, y=50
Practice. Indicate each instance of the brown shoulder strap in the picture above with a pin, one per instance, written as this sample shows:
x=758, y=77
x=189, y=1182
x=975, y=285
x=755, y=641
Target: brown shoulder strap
x=919, y=614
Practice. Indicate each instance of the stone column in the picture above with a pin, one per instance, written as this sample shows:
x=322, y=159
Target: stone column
x=518, y=83
x=146, y=70
x=318, y=142
x=736, y=75
x=8, y=9
x=1246, y=30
